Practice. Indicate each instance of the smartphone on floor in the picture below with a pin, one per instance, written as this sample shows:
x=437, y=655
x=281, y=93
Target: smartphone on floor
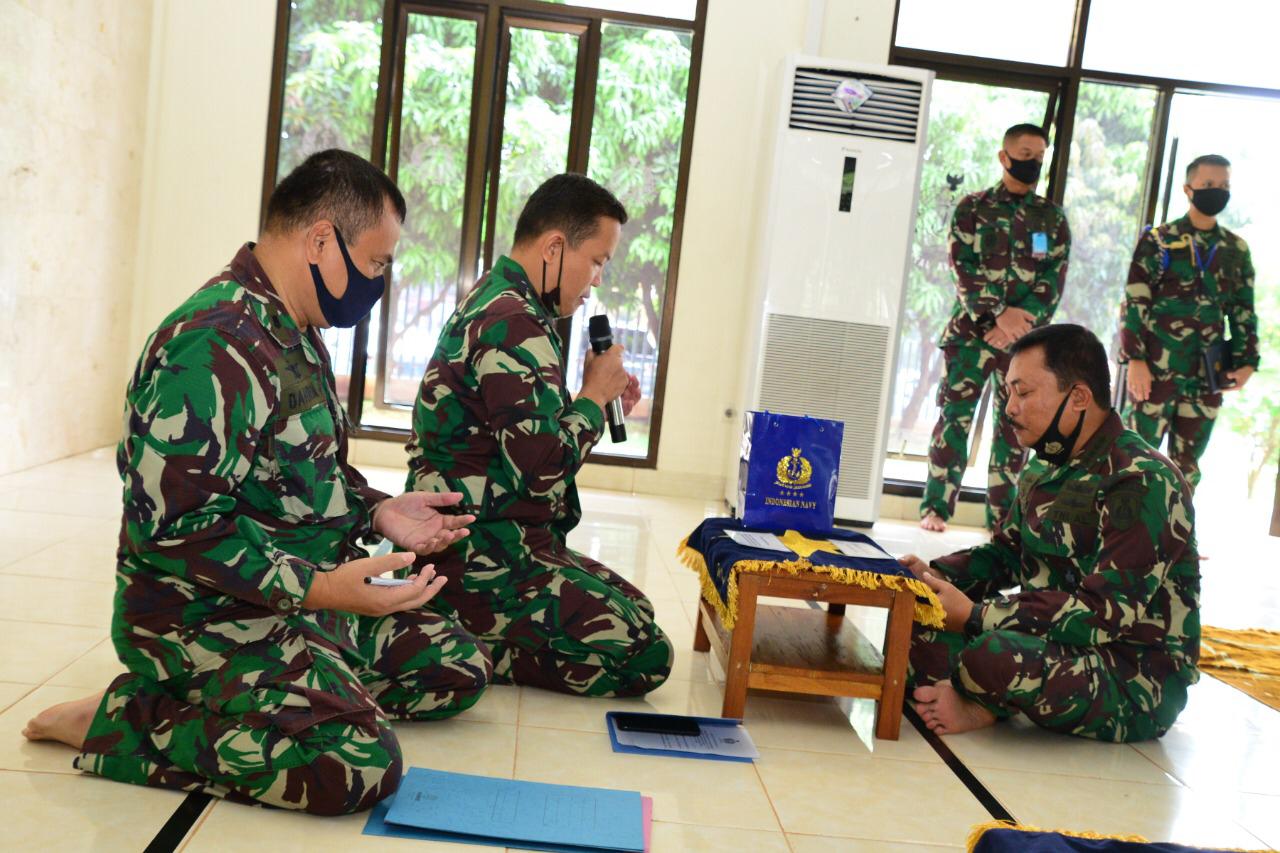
x=657, y=724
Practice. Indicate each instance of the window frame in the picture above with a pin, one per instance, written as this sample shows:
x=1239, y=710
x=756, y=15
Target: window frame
x=1063, y=83
x=495, y=18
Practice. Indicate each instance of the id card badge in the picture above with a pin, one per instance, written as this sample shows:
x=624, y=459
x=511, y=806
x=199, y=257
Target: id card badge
x=1039, y=244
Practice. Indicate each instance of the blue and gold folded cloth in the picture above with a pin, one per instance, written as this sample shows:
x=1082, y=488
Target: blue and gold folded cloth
x=844, y=556
x=1008, y=838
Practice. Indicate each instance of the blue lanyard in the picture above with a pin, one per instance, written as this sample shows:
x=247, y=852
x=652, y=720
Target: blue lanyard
x=1195, y=254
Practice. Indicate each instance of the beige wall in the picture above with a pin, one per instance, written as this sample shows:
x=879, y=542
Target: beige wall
x=73, y=100
x=206, y=141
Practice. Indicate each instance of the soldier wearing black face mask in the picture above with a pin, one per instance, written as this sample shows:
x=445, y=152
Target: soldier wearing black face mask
x=1101, y=638
x=1190, y=280
x=1009, y=249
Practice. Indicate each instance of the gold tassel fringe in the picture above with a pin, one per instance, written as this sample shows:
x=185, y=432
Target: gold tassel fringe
x=928, y=612
x=978, y=830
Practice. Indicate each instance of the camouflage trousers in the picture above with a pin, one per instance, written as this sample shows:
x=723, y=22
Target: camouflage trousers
x=290, y=718
x=968, y=365
x=554, y=618
x=1185, y=416
x=1111, y=692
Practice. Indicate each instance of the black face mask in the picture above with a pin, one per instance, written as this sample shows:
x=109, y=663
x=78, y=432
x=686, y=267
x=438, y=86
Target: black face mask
x=551, y=298
x=1210, y=200
x=1027, y=171
x=1054, y=447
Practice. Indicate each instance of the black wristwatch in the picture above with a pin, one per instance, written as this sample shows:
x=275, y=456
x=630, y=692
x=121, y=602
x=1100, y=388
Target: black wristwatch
x=973, y=625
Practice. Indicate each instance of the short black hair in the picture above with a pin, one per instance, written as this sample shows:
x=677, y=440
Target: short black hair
x=336, y=185
x=1025, y=129
x=571, y=203
x=1206, y=160
x=1073, y=354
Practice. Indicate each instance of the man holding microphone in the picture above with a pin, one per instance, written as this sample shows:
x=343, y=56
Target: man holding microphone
x=495, y=421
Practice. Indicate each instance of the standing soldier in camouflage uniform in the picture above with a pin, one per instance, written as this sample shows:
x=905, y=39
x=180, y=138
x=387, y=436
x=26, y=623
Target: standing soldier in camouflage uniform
x=262, y=667
x=1103, y=638
x=494, y=420
x=1189, y=279
x=1009, y=248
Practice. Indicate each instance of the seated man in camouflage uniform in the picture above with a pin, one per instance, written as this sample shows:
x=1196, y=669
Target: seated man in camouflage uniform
x=1102, y=637
x=494, y=420
x=261, y=665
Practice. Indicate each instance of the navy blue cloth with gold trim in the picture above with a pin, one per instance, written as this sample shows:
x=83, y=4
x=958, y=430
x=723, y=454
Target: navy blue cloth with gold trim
x=718, y=559
x=1010, y=839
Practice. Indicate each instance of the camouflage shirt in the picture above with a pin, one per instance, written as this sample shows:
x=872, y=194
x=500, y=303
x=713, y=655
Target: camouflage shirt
x=1103, y=549
x=236, y=483
x=494, y=420
x=1172, y=310
x=998, y=266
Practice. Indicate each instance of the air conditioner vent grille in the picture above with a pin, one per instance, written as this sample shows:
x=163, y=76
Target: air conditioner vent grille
x=835, y=370
x=892, y=112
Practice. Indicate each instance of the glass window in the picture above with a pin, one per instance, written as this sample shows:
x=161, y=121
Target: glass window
x=635, y=152
x=1038, y=32
x=463, y=197
x=431, y=170
x=1104, y=201
x=331, y=84
x=1185, y=40
x=966, y=125
x=535, y=122
x=1239, y=466
x=686, y=9
x=331, y=78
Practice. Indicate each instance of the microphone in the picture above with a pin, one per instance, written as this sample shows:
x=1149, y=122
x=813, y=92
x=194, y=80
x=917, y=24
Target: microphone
x=601, y=340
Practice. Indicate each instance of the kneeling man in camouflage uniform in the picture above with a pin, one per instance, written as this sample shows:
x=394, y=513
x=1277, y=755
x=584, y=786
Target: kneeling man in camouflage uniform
x=261, y=665
x=1102, y=635
x=495, y=421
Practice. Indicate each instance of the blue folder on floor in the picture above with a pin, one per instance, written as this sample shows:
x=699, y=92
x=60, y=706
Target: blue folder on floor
x=721, y=722
x=458, y=807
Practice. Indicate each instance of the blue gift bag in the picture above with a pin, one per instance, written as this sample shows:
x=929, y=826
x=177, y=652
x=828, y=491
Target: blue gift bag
x=788, y=470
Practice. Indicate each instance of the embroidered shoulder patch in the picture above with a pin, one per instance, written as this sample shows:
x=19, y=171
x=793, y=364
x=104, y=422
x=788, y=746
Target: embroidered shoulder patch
x=301, y=383
x=1074, y=503
x=1124, y=508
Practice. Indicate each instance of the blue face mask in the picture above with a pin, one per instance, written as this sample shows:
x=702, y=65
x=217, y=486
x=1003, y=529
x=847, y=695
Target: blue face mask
x=358, y=299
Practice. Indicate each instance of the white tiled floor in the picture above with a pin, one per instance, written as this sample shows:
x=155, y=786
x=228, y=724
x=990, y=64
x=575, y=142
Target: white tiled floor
x=822, y=783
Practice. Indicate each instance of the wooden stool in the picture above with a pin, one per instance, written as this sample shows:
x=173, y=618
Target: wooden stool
x=801, y=650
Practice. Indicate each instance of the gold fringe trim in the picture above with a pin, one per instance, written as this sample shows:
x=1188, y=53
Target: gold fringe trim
x=976, y=833
x=928, y=612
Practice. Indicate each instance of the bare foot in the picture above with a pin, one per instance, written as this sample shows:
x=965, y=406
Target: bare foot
x=947, y=712
x=933, y=521
x=66, y=723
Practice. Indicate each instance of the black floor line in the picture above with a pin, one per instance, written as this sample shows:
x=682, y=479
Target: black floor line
x=949, y=758
x=179, y=823
x=966, y=777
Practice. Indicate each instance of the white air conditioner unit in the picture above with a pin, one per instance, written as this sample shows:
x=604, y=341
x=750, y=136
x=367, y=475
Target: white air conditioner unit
x=823, y=339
